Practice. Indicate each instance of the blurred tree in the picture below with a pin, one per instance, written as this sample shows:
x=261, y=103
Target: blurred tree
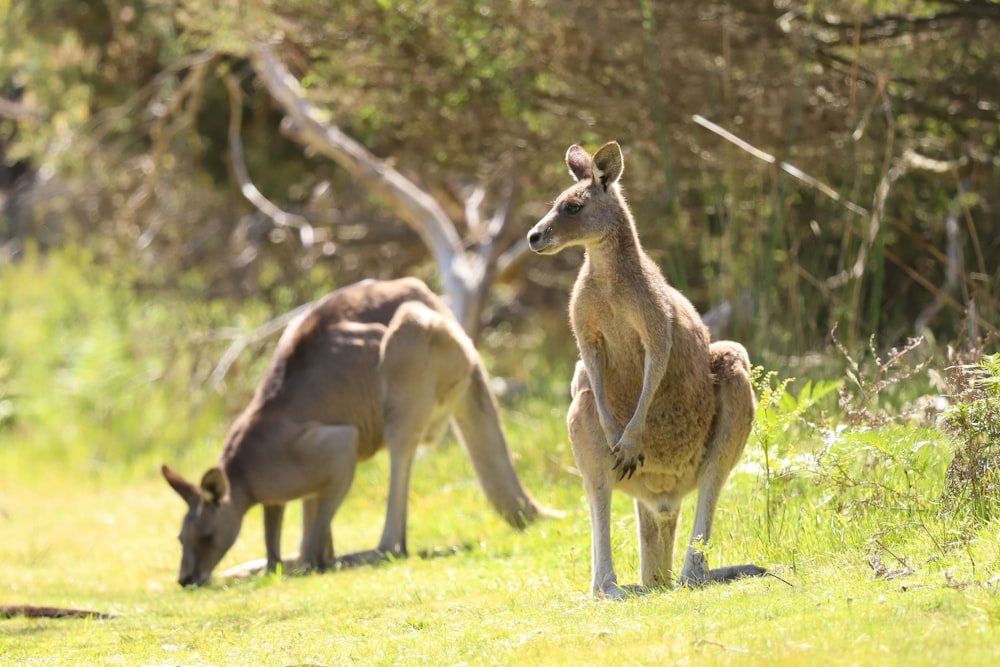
x=894, y=108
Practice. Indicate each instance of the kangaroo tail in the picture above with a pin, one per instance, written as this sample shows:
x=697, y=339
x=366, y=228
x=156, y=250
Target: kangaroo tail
x=477, y=422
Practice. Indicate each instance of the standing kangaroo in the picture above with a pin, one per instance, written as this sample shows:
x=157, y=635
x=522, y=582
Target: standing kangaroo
x=373, y=363
x=656, y=410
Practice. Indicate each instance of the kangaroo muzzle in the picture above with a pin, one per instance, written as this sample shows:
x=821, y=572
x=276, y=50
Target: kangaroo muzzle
x=540, y=237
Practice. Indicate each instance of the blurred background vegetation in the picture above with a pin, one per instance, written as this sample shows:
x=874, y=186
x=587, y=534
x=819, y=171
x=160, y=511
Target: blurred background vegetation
x=794, y=167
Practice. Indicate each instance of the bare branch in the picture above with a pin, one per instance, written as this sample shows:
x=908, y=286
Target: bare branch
x=910, y=160
x=465, y=276
x=948, y=300
x=833, y=29
x=171, y=118
x=247, y=188
x=17, y=110
x=472, y=204
x=242, y=342
x=511, y=258
x=109, y=116
x=784, y=166
x=309, y=126
x=500, y=222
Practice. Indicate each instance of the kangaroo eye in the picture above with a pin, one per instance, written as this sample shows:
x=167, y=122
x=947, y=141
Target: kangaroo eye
x=572, y=207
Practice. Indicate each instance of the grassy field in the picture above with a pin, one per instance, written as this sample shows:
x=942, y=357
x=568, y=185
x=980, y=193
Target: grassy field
x=877, y=560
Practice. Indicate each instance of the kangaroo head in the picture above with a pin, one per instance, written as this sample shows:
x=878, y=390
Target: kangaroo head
x=210, y=526
x=587, y=211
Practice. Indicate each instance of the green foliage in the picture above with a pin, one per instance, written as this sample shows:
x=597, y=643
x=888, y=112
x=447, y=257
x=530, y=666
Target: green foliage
x=854, y=516
x=7, y=414
x=831, y=482
x=974, y=421
x=127, y=119
x=94, y=375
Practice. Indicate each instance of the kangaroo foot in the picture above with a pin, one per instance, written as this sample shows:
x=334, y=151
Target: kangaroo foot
x=612, y=591
x=695, y=573
x=363, y=558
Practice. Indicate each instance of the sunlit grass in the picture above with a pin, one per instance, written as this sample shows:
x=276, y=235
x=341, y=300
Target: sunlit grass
x=486, y=594
x=872, y=566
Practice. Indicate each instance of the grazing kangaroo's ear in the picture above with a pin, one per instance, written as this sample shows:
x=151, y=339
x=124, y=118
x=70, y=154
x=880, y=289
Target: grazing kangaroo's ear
x=578, y=161
x=187, y=490
x=608, y=164
x=215, y=486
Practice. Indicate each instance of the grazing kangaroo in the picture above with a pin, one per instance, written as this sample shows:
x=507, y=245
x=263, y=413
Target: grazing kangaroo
x=656, y=410
x=370, y=364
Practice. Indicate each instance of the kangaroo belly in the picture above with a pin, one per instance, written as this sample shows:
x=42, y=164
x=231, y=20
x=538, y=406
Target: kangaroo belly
x=679, y=418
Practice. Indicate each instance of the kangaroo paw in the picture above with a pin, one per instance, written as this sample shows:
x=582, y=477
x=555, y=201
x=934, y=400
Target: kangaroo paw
x=628, y=457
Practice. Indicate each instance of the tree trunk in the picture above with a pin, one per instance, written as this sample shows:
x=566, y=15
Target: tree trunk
x=466, y=275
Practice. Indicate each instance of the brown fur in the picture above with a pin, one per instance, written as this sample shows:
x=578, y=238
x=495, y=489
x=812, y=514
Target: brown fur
x=657, y=411
x=372, y=364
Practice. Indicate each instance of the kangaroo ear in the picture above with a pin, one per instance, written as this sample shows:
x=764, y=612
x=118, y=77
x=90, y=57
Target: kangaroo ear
x=187, y=490
x=215, y=486
x=608, y=164
x=578, y=161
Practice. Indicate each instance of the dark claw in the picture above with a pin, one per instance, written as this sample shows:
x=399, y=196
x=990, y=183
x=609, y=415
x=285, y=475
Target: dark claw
x=627, y=470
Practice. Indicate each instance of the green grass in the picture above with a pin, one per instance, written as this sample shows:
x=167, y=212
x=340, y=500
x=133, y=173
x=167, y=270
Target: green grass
x=86, y=522
x=485, y=595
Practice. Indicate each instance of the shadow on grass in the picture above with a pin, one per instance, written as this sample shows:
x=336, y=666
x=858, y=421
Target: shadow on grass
x=290, y=566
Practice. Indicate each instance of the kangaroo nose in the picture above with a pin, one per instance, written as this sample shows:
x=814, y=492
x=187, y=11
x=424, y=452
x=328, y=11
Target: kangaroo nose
x=534, y=238
x=191, y=580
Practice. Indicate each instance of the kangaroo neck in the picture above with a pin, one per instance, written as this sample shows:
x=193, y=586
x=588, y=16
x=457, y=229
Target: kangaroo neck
x=617, y=252
x=237, y=458
x=240, y=496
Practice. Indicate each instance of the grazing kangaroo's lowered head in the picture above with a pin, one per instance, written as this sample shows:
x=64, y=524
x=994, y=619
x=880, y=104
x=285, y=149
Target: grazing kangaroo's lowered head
x=588, y=211
x=210, y=526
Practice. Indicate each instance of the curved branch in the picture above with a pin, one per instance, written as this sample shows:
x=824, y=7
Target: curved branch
x=279, y=216
x=242, y=341
x=308, y=125
x=17, y=110
x=833, y=29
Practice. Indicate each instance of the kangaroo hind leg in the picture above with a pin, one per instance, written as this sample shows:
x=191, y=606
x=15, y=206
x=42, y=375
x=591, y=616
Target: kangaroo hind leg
x=593, y=459
x=735, y=406
x=407, y=425
x=407, y=416
x=657, y=527
x=414, y=362
x=273, y=519
x=336, y=447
